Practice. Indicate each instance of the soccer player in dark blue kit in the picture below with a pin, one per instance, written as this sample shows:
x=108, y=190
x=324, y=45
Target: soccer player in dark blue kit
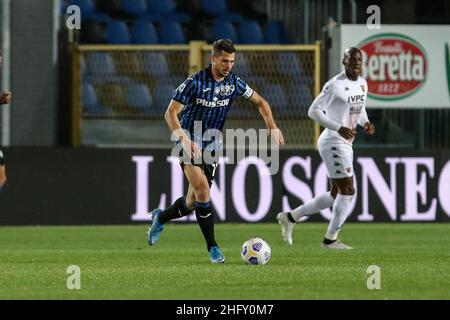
x=205, y=97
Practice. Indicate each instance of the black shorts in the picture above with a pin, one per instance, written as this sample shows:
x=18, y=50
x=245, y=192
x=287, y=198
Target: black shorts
x=2, y=158
x=208, y=169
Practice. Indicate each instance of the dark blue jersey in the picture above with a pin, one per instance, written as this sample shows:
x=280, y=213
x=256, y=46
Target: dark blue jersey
x=208, y=101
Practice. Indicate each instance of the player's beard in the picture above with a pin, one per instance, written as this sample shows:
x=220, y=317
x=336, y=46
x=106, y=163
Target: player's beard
x=223, y=73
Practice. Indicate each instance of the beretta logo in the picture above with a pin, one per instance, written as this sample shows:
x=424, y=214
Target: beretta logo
x=395, y=66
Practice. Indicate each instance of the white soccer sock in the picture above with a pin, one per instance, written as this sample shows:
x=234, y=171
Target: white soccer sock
x=341, y=208
x=320, y=202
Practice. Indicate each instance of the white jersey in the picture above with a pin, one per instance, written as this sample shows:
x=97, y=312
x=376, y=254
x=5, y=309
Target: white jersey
x=344, y=104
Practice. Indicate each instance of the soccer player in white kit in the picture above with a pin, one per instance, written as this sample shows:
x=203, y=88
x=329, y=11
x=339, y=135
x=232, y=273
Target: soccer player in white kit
x=340, y=107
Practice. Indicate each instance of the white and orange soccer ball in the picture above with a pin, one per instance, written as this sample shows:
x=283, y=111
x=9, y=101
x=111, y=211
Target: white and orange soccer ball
x=256, y=251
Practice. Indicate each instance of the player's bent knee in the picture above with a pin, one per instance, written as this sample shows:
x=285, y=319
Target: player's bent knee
x=202, y=194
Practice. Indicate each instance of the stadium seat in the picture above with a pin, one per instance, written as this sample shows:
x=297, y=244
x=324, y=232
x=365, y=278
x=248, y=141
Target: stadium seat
x=92, y=32
x=155, y=65
x=170, y=32
x=276, y=96
x=134, y=7
x=87, y=7
x=84, y=70
x=276, y=33
x=163, y=94
x=90, y=101
x=102, y=69
x=139, y=97
x=144, y=32
x=117, y=33
x=300, y=97
x=215, y=7
x=250, y=32
x=162, y=6
x=288, y=65
x=241, y=67
x=88, y=10
x=224, y=30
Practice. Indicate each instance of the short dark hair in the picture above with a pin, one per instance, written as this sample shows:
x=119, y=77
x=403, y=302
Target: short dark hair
x=223, y=45
x=350, y=50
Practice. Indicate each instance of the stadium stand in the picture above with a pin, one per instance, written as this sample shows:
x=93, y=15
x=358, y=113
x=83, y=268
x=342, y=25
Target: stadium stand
x=175, y=22
x=117, y=33
x=144, y=32
x=170, y=32
x=139, y=98
x=224, y=29
x=250, y=32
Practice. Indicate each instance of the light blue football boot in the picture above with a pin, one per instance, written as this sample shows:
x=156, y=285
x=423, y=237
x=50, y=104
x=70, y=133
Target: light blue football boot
x=216, y=255
x=155, y=229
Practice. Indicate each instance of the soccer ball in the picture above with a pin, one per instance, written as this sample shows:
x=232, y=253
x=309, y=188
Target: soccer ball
x=256, y=251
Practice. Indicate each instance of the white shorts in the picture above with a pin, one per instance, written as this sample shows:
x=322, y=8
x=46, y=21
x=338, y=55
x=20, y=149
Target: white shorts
x=337, y=156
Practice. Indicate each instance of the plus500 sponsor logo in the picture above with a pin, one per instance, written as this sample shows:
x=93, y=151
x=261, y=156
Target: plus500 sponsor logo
x=218, y=103
x=395, y=66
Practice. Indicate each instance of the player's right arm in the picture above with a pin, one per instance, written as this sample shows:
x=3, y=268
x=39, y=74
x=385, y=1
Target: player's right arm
x=317, y=108
x=173, y=122
x=181, y=97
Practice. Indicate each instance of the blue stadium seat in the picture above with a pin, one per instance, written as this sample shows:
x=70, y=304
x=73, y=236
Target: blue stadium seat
x=87, y=7
x=288, y=65
x=117, y=33
x=90, y=101
x=162, y=6
x=92, y=32
x=276, y=33
x=163, y=94
x=102, y=69
x=84, y=70
x=170, y=32
x=155, y=65
x=135, y=7
x=143, y=32
x=250, y=32
x=241, y=67
x=215, y=7
x=300, y=97
x=224, y=30
x=276, y=96
x=139, y=97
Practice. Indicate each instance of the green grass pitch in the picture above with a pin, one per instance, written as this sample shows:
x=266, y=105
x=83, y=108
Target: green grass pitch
x=117, y=263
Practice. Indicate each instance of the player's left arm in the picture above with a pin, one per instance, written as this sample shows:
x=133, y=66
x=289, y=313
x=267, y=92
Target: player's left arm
x=5, y=97
x=266, y=113
x=369, y=128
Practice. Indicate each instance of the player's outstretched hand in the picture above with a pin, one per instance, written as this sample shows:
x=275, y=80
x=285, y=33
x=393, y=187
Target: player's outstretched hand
x=192, y=149
x=5, y=97
x=346, y=132
x=369, y=128
x=278, y=135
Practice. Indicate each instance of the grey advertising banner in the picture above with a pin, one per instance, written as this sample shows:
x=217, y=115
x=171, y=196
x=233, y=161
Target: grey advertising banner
x=53, y=186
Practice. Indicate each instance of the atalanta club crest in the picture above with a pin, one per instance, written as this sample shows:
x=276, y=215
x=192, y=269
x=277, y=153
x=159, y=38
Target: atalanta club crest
x=226, y=90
